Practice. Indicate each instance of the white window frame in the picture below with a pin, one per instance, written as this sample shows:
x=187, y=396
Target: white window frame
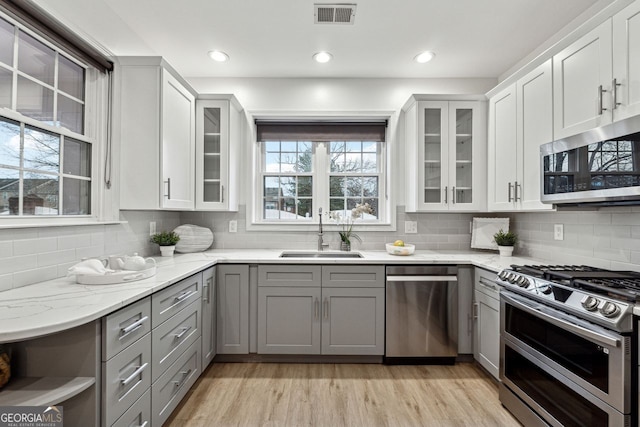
x=387, y=213
x=104, y=209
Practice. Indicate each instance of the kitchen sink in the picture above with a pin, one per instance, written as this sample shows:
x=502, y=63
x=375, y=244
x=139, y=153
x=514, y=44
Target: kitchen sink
x=295, y=254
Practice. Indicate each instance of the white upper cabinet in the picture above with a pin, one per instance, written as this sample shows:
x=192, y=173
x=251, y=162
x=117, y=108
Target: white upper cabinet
x=520, y=120
x=626, y=62
x=445, y=155
x=157, y=136
x=582, y=83
x=218, y=131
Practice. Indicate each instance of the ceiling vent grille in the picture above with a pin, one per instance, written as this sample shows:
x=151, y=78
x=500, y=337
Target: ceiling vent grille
x=334, y=13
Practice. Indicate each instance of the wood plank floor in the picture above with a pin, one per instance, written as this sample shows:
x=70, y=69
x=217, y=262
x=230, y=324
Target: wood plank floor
x=282, y=394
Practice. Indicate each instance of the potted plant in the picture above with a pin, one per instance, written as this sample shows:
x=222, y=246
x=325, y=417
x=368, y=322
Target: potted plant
x=505, y=242
x=167, y=241
x=347, y=225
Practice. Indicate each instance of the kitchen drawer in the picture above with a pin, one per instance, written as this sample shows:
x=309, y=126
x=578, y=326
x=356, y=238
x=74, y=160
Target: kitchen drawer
x=484, y=282
x=126, y=377
x=124, y=327
x=347, y=276
x=138, y=415
x=286, y=275
x=172, y=385
x=173, y=337
x=171, y=300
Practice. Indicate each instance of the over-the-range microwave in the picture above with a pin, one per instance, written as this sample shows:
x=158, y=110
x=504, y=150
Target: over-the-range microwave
x=598, y=167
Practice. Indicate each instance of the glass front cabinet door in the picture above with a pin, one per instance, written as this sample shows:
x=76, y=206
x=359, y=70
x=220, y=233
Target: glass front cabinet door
x=446, y=156
x=217, y=127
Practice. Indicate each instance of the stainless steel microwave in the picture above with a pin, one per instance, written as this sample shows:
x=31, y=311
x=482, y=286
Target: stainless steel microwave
x=598, y=167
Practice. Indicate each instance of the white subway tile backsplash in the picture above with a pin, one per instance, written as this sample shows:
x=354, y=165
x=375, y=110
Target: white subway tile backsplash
x=6, y=282
x=34, y=246
x=74, y=241
x=6, y=249
x=58, y=257
x=28, y=277
x=18, y=263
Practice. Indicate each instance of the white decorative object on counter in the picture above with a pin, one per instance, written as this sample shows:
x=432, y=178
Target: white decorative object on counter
x=111, y=277
x=167, y=250
x=193, y=238
x=92, y=266
x=407, y=249
x=483, y=230
x=506, y=251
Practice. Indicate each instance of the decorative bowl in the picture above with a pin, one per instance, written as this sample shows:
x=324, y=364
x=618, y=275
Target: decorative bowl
x=407, y=249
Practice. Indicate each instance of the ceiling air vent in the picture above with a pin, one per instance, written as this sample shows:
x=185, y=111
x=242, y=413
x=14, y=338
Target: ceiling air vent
x=334, y=13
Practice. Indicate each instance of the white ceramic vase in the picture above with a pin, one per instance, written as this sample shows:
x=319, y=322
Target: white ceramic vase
x=505, y=251
x=167, y=250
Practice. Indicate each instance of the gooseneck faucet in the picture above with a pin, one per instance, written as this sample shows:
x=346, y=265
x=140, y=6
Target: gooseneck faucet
x=321, y=244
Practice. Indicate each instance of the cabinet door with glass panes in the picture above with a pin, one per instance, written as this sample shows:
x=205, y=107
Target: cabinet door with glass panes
x=451, y=155
x=216, y=120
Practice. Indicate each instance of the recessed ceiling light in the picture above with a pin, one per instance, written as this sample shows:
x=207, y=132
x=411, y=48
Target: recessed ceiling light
x=218, y=56
x=322, y=57
x=423, y=57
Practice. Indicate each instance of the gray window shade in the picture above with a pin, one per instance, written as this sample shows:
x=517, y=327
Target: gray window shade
x=320, y=131
x=38, y=21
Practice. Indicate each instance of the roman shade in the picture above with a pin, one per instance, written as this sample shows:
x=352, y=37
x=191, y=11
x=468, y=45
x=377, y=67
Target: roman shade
x=320, y=131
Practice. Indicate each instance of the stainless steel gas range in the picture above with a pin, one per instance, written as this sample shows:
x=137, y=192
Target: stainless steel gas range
x=568, y=349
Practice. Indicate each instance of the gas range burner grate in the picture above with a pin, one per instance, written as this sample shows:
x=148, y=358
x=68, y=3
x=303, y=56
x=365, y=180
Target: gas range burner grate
x=622, y=288
x=542, y=270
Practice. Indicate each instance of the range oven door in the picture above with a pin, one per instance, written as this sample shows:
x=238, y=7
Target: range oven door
x=569, y=371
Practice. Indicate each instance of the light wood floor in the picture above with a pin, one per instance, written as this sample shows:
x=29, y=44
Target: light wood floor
x=275, y=394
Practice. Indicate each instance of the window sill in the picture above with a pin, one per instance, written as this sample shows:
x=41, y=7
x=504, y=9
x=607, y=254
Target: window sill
x=313, y=228
x=44, y=222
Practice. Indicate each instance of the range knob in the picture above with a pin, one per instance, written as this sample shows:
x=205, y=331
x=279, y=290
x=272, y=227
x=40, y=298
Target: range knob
x=503, y=275
x=522, y=281
x=546, y=290
x=609, y=309
x=590, y=303
x=512, y=277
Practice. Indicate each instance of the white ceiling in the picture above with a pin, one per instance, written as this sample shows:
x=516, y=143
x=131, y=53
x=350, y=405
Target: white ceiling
x=276, y=38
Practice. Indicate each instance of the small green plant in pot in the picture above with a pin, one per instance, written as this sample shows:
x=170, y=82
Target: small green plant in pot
x=167, y=241
x=505, y=242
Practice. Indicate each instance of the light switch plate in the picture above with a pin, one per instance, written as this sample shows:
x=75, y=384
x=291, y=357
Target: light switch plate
x=233, y=226
x=410, y=227
x=558, y=232
x=152, y=228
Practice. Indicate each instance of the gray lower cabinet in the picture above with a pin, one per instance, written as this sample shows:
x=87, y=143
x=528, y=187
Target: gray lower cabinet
x=232, y=309
x=208, y=316
x=308, y=309
x=139, y=414
x=487, y=322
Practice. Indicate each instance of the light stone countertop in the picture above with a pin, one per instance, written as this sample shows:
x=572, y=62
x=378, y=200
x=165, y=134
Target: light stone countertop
x=57, y=305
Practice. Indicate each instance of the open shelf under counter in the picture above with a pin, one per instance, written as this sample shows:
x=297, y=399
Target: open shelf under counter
x=43, y=391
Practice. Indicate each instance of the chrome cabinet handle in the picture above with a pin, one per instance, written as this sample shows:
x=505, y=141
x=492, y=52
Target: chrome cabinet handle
x=132, y=327
x=185, y=374
x=206, y=290
x=510, y=186
x=476, y=307
x=484, y=282
x=184, y=296
x=453, y=195
x=168, y=195
x=446, y=200
x=518, y=194
x=614, y=93
x=144, y=424
x=131, y=377
x=181, y=334
x=316, y=309
x=222, y=194
x=325, y=308
x=601, y=90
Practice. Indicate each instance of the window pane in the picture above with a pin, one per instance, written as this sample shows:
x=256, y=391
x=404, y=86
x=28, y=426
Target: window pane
x=304, y=162
x=35, y=59
x=212, y=120
x=41, y=150
x=288, y=186
x=272, y=162
x=369, y=162
x=70, y=114
x=272, y=187
x=305, y=208
x=35, y=100
x=353, y=162
x=7, y=37
x=41, y=194
x=9, y=191
x=76, y=196
x=6, y=87
x=288, y=146
x=373, y=203
x=370, y=147
x=9, y=143
x=336, y=205
x=305, y=186
x=70, y=77
x=77, y=157
x=336, y=186
x=272, y=146
x=353, y=186
x=370, y=186
x=288, y=162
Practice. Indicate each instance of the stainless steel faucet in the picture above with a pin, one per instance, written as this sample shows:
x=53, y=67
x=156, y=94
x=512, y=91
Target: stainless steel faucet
x=321, y=244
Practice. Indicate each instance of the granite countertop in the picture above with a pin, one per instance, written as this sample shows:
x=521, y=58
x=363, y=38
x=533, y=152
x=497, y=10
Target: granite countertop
x=60, y=304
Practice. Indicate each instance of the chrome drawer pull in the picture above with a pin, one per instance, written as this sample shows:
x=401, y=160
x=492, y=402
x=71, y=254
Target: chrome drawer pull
x=484, y=282
x=132, y=327
x=184, y=296
x=131, y=377
x=144, y=424
x=185, y=374
x=181, y=334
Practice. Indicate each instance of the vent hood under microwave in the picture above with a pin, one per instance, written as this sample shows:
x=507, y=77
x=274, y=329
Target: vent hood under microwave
x=600, y=167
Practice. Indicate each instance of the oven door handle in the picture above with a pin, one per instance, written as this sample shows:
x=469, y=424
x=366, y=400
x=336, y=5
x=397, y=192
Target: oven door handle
x=579, y=330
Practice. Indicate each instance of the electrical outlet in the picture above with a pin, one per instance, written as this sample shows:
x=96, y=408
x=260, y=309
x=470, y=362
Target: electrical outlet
x=233, y=226
x=558, y=232
x=410, y=227
x=152, y=228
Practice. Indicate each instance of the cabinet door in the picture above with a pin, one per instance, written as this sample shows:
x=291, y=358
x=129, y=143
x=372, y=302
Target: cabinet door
x=487, y=349
x=232, y=309
x=433, y=152
x=502, y=150
x=581, y=73
x=208, y=316
x=178, y=139
x=212, y=154
x=288, y=320
x=467, y=156
x=535, y=127
x=626, y=61
x=353, y=321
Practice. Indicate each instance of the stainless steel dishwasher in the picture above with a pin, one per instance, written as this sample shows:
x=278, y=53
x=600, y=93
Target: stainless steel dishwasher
x=422, y=313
